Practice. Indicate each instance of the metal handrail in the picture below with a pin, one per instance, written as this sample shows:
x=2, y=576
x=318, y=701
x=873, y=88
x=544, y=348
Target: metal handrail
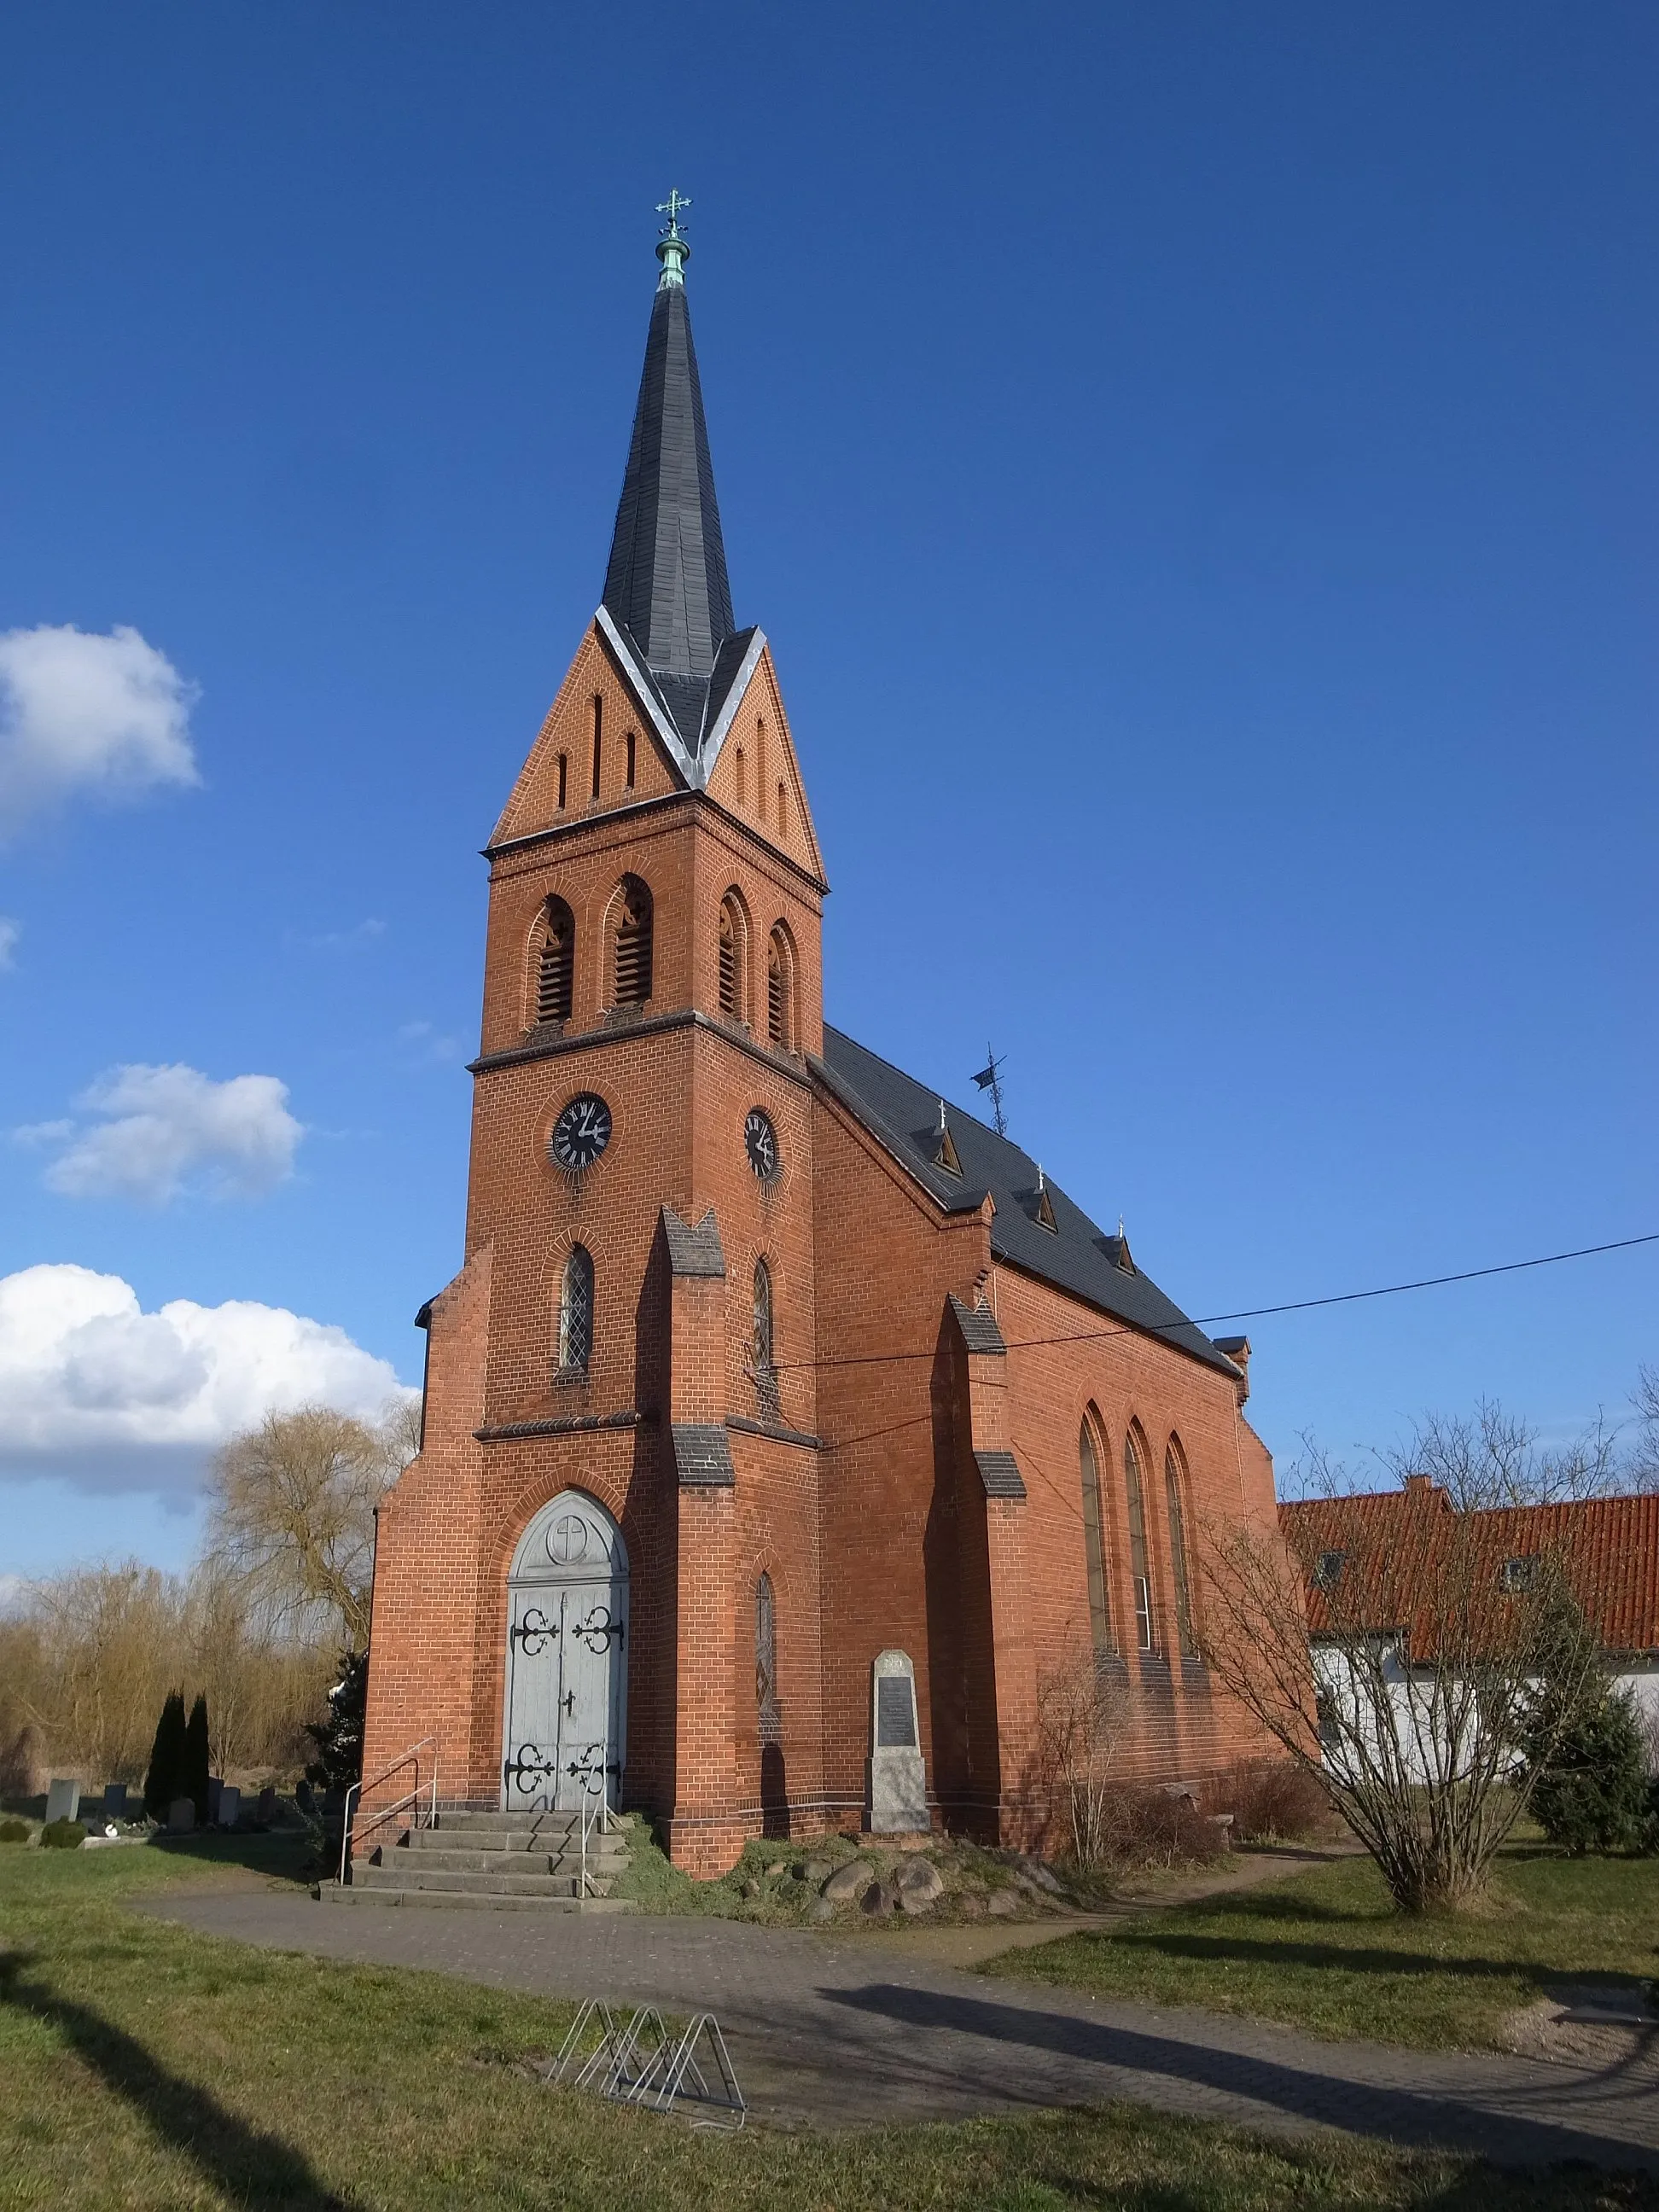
x=390, y=1811
x=599, y=1817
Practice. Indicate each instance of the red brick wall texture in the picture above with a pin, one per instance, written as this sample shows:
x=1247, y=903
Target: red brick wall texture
x=856, y=1488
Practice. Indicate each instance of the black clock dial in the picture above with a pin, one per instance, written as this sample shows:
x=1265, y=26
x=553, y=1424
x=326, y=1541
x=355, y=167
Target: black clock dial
x=760, y=1141
x=581, y=1132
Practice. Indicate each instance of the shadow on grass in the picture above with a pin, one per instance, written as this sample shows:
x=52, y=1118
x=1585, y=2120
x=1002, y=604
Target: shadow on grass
x=289, y=1854
x=249, y=2166
x=1439, y=2117
x=1276, y=1953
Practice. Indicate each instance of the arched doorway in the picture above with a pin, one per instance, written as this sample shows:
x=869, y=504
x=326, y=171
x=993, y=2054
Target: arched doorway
x=566, y=1659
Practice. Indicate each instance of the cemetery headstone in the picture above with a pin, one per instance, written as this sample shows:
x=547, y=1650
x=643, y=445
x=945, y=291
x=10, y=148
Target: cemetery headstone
x=215, y=1787
x=181, y=1816
x=266, y=1810
x=115, y=1800
x=230, y=1806
x=63, y=1800
x=899, y=1782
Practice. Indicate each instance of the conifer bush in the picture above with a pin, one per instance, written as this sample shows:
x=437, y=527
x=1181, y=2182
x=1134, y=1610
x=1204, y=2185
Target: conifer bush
x=165, y=1779
x=1593, y=1792
x=193, y=1778
x=63, y=1835
x=14, y=1831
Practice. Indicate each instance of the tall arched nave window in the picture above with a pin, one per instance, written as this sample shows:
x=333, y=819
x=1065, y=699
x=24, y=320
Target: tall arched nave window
x=1173, y=1487
x=1139, y=1574
x=1094, y=1545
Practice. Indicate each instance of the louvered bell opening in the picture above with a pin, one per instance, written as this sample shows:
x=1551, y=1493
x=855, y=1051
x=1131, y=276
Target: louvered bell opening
x=633, y=953
x=557, y=968
x=777, y=999
x=728, y=968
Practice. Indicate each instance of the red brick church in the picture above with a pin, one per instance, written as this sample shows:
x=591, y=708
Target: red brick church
x=764, y=1364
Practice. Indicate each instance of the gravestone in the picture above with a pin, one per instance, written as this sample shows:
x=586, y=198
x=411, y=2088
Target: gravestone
x=181, y=1816
x=215, y=1786
x=63, y=1800
x=230, y=1806
x=898, y=1783
x=266, y=1809
x=115, y=1800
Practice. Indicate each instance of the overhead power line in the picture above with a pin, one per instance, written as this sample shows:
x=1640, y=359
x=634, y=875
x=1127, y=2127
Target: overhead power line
x=1257, y=1313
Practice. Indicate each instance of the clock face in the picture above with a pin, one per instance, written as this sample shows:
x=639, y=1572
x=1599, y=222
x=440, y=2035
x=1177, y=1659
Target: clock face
x=581, y=1132
x=760, y=1141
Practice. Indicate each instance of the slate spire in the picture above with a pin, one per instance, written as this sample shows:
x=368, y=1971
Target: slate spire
x=666, y=582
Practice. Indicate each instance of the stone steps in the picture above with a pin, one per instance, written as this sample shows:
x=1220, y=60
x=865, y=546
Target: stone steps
x=451, y=1900
x=495, y=1860
x=423, y=1857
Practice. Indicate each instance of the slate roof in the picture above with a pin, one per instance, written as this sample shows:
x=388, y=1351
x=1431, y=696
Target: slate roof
x=693, y=1251
x=665, y=584
x=1608, y=1548
x=1076, y=1256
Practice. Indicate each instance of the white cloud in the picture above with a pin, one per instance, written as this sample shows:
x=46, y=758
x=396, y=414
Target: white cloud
x=79, y=712
x=164, y=1130
x=109, y=1397
x=10, y=931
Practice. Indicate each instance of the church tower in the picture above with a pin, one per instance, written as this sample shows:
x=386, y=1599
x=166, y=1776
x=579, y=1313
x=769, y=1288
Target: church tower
x=722, y=1509
x=620, y=1404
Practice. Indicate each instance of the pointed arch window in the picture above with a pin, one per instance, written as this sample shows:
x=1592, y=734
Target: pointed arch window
x=1140, y=1579
x=742, y=779
x=632, y=742
x=634, y=927
x=1094, y=1545
x=576, y=1313
x=556, y=967
x=766, y=1658
x=783, y=813
x=734, y=952
x=564, y=779
x=599, y=740
x=1183, y=1588
x=779, y=991
x=763, y=1349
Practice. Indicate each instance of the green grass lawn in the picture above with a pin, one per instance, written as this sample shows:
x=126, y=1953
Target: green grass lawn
x=1328, y=1951
x=144, y=2065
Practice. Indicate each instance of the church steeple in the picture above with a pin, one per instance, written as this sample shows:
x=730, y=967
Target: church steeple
x=666, y=582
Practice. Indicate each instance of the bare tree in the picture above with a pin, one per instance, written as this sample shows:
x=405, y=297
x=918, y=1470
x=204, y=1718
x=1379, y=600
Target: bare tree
x=1080, y=1723
x=1430, y=1658
x=291, y=1522
x=1492, y=1458
x=1644, y=1452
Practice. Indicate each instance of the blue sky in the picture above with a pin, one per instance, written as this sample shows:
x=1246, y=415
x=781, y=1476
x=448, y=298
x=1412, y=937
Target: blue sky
x=1196, y=467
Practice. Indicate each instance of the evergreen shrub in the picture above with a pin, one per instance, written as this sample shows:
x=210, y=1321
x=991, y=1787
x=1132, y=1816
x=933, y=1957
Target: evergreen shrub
x=1594, y=1793
x=63, y=1835
x=165, y=1778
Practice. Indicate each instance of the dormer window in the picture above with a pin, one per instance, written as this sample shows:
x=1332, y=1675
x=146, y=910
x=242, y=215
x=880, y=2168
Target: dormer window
x=1045, y=1209
x=944, y=1151
x=1327, y=1569
x=1518, y=1574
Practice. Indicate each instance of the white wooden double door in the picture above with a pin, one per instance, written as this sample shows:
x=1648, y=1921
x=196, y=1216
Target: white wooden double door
x=567, y=1660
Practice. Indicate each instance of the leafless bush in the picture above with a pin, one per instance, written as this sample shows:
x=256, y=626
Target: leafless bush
x=1273, y=1800
x=1080, y=1717
x=87, y=1658
x=1150, y=1827
x=1427, y=1669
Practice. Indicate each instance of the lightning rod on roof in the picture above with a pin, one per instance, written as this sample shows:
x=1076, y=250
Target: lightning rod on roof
x=990, y=1079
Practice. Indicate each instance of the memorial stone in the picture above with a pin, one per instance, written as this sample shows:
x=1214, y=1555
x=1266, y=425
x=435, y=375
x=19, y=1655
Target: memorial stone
x=898, y=1782
x=181, y=1816
x=63, y=1800
x=267, y=1808
x=215, y=1787
x=115, y=1800
x=230, y=1806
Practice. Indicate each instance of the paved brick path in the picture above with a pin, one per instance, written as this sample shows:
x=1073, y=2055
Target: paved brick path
x=847, y=2031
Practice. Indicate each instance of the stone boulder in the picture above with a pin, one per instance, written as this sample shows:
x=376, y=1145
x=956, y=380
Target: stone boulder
x=850, y=1881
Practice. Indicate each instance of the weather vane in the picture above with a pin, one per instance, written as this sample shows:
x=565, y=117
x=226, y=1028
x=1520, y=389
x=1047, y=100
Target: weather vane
x=673, y=207
x=990, y=1079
